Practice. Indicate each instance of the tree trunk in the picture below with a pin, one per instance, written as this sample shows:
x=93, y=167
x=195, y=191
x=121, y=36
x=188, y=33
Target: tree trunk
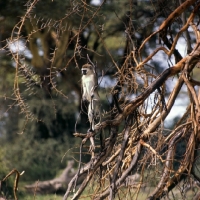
x=56, y=185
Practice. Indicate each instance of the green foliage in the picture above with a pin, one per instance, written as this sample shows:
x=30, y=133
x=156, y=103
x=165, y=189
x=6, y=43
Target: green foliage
x=7, y=185
x=40, y=159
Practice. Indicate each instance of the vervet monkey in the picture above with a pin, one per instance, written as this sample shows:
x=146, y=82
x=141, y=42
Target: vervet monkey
x=89, y=82
x=90, y=93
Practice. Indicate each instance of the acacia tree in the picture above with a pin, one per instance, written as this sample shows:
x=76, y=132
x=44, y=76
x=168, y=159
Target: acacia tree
x=131, y=136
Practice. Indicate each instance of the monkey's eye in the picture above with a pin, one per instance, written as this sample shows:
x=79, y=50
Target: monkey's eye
x=84, y=71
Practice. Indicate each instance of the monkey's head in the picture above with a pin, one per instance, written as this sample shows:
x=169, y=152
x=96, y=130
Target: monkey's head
x=86, y=69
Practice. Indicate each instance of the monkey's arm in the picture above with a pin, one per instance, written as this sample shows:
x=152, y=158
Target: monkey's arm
x=84, y=95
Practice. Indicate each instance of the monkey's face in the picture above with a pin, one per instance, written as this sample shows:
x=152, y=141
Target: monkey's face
x=84, y=71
